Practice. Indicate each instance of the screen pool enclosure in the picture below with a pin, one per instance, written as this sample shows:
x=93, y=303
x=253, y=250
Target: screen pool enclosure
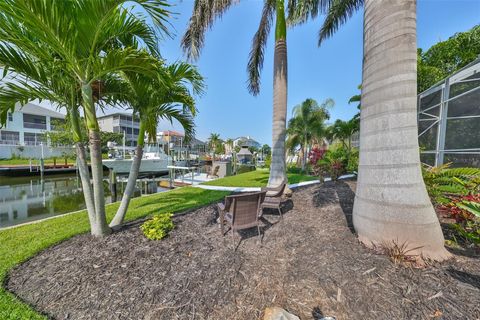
x=449, y=120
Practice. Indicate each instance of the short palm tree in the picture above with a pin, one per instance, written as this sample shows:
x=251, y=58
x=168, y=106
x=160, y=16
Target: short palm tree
x=391, y=202
x=163, y=97
x=307, y=125
x=213, y=143
x=229, y=143
x=344, y=130
x=203, y=16
x=89, y=40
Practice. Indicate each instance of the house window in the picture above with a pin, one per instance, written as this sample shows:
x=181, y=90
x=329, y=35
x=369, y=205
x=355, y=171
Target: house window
x=9, y=137
x=10, y=116
x=32, y=121
x=33, y=139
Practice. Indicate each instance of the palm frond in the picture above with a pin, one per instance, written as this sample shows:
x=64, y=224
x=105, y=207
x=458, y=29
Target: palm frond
x=259, y=42
x=299, y=11
x=338, y=13
x=204, y=14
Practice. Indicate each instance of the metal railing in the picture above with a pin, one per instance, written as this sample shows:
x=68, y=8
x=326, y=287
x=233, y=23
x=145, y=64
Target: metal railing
x=31, y=125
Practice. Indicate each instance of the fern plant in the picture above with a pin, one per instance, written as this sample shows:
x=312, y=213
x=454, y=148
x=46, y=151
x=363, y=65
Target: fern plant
x=443, y=182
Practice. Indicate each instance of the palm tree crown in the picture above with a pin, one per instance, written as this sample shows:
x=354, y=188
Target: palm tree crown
x=307, y=125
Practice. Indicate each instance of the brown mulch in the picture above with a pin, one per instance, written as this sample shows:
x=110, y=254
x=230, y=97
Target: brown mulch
x=310, y=264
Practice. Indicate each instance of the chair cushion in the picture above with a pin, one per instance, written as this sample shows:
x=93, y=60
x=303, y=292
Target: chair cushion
x=228, y=217
x=271, y=193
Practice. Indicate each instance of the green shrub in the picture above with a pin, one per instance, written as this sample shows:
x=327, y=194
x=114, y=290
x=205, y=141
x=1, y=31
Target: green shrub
x=294, y=169
x=352, y=162
x=158, y=227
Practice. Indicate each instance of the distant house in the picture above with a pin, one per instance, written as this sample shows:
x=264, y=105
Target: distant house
x=123, y=123
x=26, y=126
x=246, y=142
x=174, y=140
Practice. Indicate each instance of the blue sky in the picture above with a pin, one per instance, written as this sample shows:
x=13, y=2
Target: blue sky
x=331, y=71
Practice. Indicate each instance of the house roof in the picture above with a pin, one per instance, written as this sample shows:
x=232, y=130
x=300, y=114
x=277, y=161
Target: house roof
x=116, y=114
x=244, y=152
x=37, y=110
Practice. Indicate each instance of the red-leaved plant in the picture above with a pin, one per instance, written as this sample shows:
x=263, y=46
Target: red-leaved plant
x=453, y=211
x=314, y=156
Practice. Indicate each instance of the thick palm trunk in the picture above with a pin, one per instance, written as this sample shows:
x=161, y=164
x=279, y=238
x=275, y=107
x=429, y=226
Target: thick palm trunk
x=391, y=202
x=277, y=167
x=132, y=178
x=100, y=227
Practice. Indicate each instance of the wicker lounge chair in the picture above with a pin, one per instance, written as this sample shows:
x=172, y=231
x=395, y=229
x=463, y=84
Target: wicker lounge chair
x=241, y=211
x=274, y=197
x=214, y=172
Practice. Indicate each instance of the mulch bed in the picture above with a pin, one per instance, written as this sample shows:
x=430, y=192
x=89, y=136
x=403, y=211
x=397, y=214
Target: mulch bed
x=310, y=264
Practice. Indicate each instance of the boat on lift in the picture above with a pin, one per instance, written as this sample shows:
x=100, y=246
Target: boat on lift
x=154, y=160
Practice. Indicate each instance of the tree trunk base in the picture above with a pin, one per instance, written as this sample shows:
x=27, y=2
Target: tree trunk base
x=415, y=240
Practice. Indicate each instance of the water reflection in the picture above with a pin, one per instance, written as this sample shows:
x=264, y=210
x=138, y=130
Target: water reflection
x=25, y=199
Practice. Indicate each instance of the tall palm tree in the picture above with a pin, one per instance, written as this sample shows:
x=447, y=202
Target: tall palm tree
x=203, y=16
x=153, y=99
x=391, y=202
x=89, y=40
x=307, y=124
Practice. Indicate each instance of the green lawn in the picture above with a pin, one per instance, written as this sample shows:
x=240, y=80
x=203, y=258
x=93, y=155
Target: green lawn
x=258, y=178
x=21, y=243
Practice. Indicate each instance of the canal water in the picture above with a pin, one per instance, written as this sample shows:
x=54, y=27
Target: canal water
x=24, y=199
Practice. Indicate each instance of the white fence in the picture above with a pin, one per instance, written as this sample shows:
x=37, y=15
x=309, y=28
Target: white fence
x=34, y=152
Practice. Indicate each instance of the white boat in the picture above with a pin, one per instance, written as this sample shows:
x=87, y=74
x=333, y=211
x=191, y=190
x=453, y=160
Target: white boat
x=154, y=160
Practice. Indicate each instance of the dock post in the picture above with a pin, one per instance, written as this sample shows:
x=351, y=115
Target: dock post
x=42, y=168
x=30, y=164
x=112, y=179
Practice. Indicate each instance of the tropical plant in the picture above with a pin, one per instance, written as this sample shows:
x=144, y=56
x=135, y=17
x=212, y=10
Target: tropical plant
x=153, y=99
x=333, y=163
x=84, y=42
x=158, y=227
x=203, y=17
x=465, y=211
x=229, y=143
x=266, y=150
x=358, y=99
x=314, y=156
x=344, y=130
x=307, y=126
x=442, y=182
x=214, y=143
x=391, y=202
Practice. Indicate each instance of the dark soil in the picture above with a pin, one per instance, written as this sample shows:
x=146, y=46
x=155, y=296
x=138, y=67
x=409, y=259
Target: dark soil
x=310, y=264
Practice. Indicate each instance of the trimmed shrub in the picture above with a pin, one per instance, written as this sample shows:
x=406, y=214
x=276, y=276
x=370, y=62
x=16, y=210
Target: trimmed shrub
x=158, y=227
